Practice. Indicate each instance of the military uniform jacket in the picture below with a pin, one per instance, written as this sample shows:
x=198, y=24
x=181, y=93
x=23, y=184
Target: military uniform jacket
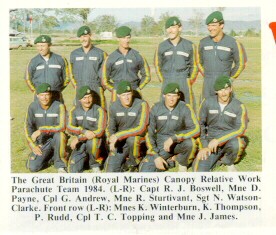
x=55, y=72
x=119, y=67
x=126, y=122
x=179, y=124
x=86, y=68
x=176, y=62
x=47, y=121
x=215, y=59
x=80, y=121
x=223, y=126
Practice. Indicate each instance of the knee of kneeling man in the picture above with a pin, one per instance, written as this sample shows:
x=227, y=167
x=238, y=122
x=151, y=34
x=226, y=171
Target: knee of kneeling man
x=59, y=135
x=190, y=143
x=234, y=149
x=33, y=168
x=130, y=140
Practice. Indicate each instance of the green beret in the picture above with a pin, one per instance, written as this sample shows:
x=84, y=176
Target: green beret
x=172, y=88
x=43, y=39
x=123, y=87
x=222, y=82
x=44, y=87
x=214, y=17
x=122, y=31
x=172, y=21
x=83, y=91
x=83, y=30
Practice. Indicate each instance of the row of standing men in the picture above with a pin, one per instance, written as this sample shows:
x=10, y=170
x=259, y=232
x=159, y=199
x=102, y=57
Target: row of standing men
x=177, y=64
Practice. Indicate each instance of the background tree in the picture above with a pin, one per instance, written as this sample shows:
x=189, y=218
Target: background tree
x=147, y=25
x=104, y=23
x=50, y=22
x=161, y=23
x=135, y=31
x=233, y=33
x=73, y=14
x=18, y=19
x=196, y=21
x=251, y=33
x=39, y=16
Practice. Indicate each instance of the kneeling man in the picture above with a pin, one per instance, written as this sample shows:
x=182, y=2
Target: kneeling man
x=127, y=125
x=87, y=123
x=44, y=130
x=223, y=121
x=173, y=126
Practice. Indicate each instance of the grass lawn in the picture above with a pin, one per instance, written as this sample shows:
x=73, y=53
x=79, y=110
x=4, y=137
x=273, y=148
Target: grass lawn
x=247, y=88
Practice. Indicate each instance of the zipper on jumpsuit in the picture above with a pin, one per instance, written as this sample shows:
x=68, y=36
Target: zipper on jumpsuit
x=173, y=61
x=46, y=71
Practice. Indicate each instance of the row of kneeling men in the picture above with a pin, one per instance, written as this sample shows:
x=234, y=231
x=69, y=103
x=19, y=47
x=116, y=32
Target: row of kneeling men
x=134, y=138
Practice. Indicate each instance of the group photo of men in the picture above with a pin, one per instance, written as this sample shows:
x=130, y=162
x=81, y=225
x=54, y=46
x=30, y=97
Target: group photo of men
x=180, y=104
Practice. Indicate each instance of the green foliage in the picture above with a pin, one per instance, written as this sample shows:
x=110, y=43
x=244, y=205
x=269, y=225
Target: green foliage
x=251, y=33
x=196, y=21
x=50, y=22
x=73, y=14
x=147, y=25
x=161, y=23
x=233, y=33
x=104, y=23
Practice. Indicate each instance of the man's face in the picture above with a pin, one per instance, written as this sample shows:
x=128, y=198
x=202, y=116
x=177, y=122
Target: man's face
x=171, y=100
x=43, y=48
x=126, y=99
x=224, y=95
x=174, y=31
x=45, y=98
x=86, y=101
x=85, y=40
x=124, y=42
x=215, y=29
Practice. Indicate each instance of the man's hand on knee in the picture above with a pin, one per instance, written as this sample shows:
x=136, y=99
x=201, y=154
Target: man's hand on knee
x=160, y=163
x=37, y=150
x=89, y=135
x=213, y=145
x=204, y=153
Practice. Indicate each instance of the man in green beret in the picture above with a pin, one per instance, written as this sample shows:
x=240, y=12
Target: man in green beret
x=219, y=54
x=86, y=124
x=44, y=130
x=175, y=61
x=171, y=132
x=125, y=63
x=47, y=67
x=223, y=121
x=127, y=125
x=86, y=65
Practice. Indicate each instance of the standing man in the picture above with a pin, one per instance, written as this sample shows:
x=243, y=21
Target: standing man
x=86, y=63
x=175, y=61
x=127, y=64
x=173, y=126
x=127, y=125
x=87, y=123
x=44, y=130
x=223, y=121
x=219, y=54
x=47, y=67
